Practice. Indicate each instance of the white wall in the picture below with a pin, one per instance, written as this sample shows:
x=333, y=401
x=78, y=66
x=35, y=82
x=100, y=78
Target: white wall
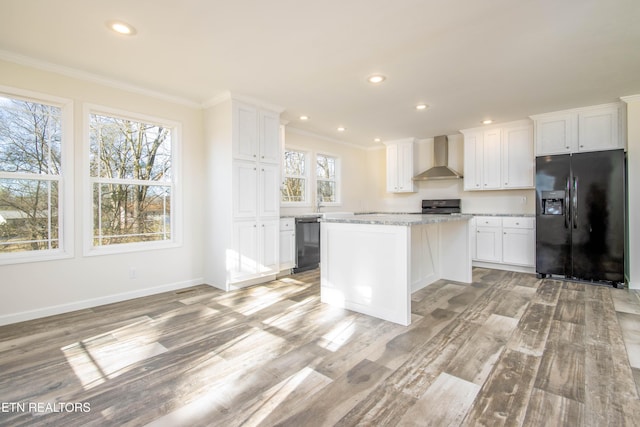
x=353, y=171
x=505, y=201
x=633, y=171
x=36, y=289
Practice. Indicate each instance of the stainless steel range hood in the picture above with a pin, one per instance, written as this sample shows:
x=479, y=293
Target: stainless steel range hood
x=441, y=169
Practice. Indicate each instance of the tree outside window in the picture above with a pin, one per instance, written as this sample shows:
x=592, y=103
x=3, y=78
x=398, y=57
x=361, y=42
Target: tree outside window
x=326, y=178
x=131, y=178
x=294, y=188
x=30, y=176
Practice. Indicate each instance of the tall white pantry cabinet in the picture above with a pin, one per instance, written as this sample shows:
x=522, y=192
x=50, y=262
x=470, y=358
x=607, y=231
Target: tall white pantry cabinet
x=243, y=193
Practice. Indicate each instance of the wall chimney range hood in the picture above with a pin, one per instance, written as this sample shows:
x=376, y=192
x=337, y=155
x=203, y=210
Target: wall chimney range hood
x=441, y=169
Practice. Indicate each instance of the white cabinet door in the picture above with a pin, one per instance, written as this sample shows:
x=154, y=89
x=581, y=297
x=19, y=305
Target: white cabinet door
x=245, y=178
x=242, y=260
x=556, y=134
x=598, y=129
x=518, y=246
x=473, y=161
x=269, y=195
x=472, y=237
x=405, y=167
x=269, y=238
x=245, y=131
x=269, y=137
x=287, y=249
x=489, y=244
x=400, y=168
x=392, y=168
x=491, y=155
x=517, y=157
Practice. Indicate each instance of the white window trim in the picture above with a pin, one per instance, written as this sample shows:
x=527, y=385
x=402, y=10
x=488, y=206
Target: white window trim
x=65, y=214
x=337, y=179
x=176, y=185
x=307, y=178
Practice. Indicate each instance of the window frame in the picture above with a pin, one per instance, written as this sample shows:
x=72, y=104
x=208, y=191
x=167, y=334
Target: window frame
x=65, y=180
x=336, y=180
x=175, y=184
x=307, y=178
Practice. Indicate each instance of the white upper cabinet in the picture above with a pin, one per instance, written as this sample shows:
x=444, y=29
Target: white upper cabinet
x=598, y=129
x=556, y=134
x=256, y=134
x=400, y=166
x=473, y=156
x=582, y=129
x=499, y=157
x=245, y=131
x=269, y=137
x=518, y=166
x=491, y=160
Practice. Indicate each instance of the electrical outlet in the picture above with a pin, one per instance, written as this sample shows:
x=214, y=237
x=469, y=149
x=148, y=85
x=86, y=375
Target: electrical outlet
x=132, y=273
x=523, y=200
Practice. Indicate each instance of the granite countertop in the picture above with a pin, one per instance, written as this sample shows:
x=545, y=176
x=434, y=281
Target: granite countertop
x=404, y=217
x=502, y=214
x=399, y=219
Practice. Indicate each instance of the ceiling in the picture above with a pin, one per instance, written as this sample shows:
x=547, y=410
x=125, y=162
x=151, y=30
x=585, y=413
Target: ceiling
x=468, y=60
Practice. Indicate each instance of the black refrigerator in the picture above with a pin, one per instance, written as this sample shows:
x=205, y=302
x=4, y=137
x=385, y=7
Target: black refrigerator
x=580, y=216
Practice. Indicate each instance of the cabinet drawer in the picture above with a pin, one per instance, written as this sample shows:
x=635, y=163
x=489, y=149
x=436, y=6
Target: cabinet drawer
x=488, y=221
x=518, y=222
x=287, y=224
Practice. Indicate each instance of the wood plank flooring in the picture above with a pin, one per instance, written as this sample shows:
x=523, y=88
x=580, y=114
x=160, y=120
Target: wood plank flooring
x=506, y=350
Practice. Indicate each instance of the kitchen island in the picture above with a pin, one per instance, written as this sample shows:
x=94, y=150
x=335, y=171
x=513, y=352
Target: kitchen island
x=372, y=263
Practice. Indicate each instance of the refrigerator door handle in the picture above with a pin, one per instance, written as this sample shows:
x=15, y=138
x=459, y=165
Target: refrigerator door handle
x=575, y=202
x=567, y=212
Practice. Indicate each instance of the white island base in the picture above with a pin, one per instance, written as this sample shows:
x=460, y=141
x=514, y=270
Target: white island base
x=372, y=265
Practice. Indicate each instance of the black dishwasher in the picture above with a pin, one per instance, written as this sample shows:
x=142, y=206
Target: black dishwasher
x=307, y=244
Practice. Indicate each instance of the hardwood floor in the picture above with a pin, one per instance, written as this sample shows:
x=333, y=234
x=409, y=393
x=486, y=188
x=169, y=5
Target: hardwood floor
x=508, y=349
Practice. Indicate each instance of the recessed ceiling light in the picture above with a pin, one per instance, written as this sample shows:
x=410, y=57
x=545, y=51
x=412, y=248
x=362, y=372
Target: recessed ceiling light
x=487, y=122
x=376, y=78
x=421, y=107
x=304, y=117
x=342, y=129
x=121, y=28
x=376, y=140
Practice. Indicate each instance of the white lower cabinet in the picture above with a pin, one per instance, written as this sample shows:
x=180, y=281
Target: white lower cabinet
x=508, y=242
x=489, y=240
x=255, y=251
x=287, y=243
x=518, y=241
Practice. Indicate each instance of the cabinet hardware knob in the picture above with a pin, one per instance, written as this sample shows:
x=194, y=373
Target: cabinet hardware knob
x=254, y=155
x=517, y=223
x=582, y=146
x=567, y=147
x=506, y=183
x=505, y=232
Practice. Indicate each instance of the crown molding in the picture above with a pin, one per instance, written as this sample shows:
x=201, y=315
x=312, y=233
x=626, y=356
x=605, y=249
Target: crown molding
x=630, y=98
x=228, y=95
x=93, y=78
x=305, y=132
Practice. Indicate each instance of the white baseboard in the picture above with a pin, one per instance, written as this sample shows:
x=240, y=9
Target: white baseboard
x=94, y=302
x=507, y=267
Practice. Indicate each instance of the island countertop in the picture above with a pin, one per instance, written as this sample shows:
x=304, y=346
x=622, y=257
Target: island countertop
x=398, y=219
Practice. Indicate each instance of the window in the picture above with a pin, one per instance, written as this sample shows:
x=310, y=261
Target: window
x=34, y=180
x=132, y=177
x=294, y=188
x=326, y=177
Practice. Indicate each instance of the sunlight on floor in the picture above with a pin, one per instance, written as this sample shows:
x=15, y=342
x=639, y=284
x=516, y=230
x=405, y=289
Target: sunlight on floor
x=96, y=359
x=340, y=334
